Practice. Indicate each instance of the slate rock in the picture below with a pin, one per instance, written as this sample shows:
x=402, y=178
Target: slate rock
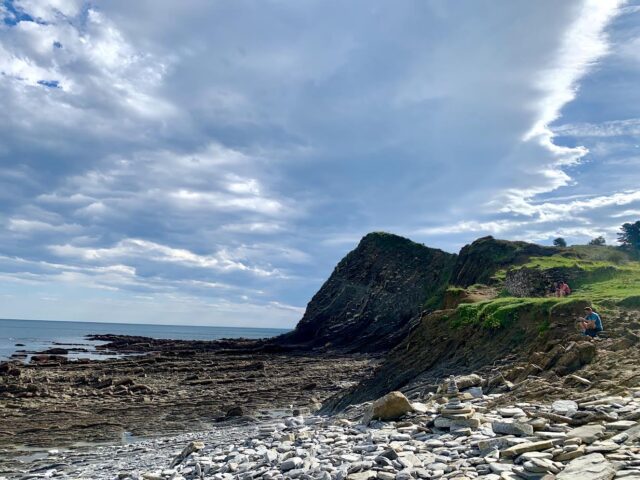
x=590, y=467
x=506, y=427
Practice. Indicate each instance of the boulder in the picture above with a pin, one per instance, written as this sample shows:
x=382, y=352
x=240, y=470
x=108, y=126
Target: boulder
x=589, y=467
x=390, y=407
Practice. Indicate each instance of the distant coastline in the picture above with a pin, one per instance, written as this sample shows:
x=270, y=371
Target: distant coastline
x=38, y=335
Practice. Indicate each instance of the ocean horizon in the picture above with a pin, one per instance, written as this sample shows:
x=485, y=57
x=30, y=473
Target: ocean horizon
x=37, y=335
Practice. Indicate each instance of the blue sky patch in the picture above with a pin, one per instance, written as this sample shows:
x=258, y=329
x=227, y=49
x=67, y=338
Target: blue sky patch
x=49, y=83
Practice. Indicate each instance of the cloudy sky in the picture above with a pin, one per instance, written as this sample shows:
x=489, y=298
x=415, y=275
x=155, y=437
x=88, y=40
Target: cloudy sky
x=208, y=162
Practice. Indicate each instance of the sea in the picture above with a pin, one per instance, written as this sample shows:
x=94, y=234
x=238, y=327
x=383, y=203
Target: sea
x=38, y=335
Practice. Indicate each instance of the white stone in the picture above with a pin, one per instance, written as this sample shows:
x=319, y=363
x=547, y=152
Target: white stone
x=567, y=408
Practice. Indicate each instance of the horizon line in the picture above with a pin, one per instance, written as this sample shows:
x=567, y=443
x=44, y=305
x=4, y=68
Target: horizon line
x=134, y=323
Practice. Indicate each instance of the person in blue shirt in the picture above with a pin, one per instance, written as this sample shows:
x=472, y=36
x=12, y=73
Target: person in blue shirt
x=591, y=325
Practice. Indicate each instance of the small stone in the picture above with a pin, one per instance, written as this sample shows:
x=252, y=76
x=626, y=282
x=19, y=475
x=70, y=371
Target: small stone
x=500, y=467
x=291, y=463
x=526, y=456
x=382, y=475
x=570, y=455
x=186, y=451
x=511, y=412
x=568, y=408
x=366, y=475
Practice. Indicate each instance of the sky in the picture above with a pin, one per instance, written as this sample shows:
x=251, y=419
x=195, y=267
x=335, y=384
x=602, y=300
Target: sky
x=209, y=162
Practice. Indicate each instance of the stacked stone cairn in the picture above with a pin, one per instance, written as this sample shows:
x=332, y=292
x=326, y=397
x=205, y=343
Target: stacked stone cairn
x=456, y=415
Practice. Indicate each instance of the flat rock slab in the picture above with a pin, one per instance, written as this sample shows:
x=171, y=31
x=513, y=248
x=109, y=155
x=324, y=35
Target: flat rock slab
x=526, y=447
x=511, y=412
x=621, y=425
x=603, y=447
x=526, y=456
x=633, y=434
x=564, y=407
x=628, y=475
x=369, y=474
x=587, y=433
x=510, y=427
x=589, y=467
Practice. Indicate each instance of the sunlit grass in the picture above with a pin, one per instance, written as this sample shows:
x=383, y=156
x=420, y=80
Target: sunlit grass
x=604, y=284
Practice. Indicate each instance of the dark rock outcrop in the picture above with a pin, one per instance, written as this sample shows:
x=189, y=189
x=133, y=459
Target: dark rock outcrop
x=367, y=303
x=436, y=348
x=480, y=260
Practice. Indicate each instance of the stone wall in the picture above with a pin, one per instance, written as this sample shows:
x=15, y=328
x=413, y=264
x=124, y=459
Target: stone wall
x=527, y=282
x=532, y=282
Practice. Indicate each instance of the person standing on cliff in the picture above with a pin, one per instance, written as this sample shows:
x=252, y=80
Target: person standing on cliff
x=591, y=325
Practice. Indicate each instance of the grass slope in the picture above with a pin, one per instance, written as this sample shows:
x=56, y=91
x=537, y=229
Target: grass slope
x=610, y=280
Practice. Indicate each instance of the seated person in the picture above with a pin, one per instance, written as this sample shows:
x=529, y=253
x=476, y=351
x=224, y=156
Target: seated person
x=562, y=289
x=591, y=324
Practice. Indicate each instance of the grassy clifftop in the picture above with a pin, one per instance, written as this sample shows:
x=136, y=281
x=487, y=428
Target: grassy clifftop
x=601, y=276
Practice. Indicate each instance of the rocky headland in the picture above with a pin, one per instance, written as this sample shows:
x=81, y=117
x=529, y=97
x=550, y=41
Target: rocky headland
x=361, y=389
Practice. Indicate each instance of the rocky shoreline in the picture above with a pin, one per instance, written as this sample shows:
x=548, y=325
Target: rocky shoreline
x=170, y=388
x=519, y=441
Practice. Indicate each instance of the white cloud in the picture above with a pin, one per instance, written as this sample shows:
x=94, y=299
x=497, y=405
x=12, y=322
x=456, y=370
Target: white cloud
x=222, y=152
x=253, y=227
x=565, y=210
x=50, y=10
x=614, y=128
x=33, y=226
x=142, y=249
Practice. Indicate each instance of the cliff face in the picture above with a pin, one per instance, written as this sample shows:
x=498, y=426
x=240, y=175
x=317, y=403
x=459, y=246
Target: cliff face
x=367, y=303
x=480, y=260
x=443, y=344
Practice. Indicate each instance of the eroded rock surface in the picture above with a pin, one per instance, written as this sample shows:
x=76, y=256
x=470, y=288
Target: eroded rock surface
x=372, y=295
x=56, y=403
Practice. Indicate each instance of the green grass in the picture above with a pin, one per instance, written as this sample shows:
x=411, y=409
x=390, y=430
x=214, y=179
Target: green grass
x=625, y=284
x=455, y=290
x=598, y=253
x=501, y=312
x=557, y=261
x=605, y=284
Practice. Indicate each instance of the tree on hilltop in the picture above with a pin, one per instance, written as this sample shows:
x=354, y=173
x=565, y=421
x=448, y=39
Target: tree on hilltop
x=598, y=241
x=629, y=236
x=559, y=242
